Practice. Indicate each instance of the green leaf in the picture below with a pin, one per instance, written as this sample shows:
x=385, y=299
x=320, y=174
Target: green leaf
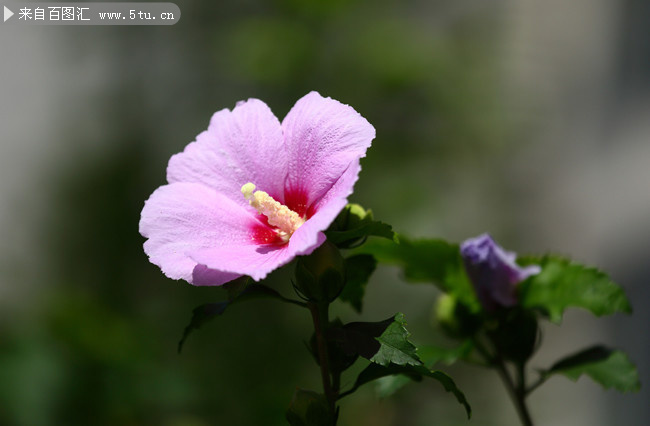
x=309, y=408
x=428, y=260
x=430, y=356
x=381, y=342
x=413, y=372
x=395, y=347
x=610, y=368
x=354, y=224
x=239, y=290
x=563, y=283
x=358, y=269
x=359, y=338
x=388, y=385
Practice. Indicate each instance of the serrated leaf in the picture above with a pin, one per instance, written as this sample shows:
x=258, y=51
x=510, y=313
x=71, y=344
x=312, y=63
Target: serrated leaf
x=359, y=338
x=358, y=270
x=610, y=368
x=238, y=291
x=354, y=224
x=414, y=372
x=382, y=342
x=427, y=260
x=430, y=356
x=395, y=347
x=564, y=283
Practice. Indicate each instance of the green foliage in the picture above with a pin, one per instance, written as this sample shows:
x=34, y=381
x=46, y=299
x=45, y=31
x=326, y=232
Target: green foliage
x=358, y=269
x=354, y=224
x=428, y=260
x=610, y=368
x=564, y=283
x=359, y=338
x=430, y=356
x=382, y=342
x=239, y=290
x=413, y=372
x=395, y=347
x=309, y=408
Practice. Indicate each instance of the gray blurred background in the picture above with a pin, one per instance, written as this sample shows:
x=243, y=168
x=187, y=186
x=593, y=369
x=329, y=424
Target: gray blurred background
x=530, y=120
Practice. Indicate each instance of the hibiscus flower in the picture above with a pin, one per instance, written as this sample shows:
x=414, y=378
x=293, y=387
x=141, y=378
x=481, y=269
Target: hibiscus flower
x=252, y=193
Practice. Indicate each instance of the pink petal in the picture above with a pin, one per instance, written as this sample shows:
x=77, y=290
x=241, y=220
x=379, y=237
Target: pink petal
x=254, y=261
x=322, y=137
x=241, y=146
x=258, y=261
x=183, y=217
x=327, y=208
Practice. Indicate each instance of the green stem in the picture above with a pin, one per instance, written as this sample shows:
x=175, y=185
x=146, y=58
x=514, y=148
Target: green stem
x=320, y=316
x=516, y=392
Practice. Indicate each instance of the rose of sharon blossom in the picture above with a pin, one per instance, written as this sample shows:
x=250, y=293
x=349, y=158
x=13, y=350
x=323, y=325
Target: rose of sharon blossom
x=252, y=193
x=493, y=272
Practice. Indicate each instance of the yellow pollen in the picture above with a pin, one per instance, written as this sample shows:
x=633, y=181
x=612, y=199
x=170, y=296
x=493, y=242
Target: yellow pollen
x=278, y=215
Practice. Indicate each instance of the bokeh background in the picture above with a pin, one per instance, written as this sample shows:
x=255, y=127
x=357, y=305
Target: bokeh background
x=528, y=119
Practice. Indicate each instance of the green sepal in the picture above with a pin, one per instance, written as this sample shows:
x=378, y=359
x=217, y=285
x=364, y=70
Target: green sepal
x=354, y=224
x=563, y=283
x=358, y=270
x=413, y=372
x=309, y=408
x=608, y=367
x=239, y=290
x=428, y=260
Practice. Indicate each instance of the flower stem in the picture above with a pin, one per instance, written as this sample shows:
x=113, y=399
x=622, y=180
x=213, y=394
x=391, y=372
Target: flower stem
x=517, y=392
x=320, y=316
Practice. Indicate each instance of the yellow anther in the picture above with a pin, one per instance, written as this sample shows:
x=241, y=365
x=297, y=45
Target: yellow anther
x=278, y=215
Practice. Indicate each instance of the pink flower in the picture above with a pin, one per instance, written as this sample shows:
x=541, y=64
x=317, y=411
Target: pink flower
x=209, y=226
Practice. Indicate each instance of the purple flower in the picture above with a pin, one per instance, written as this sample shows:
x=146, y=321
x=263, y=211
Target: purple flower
x=493, y=272
x=209, y=225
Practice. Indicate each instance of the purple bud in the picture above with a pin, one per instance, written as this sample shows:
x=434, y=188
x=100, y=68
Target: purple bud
x=493, y=272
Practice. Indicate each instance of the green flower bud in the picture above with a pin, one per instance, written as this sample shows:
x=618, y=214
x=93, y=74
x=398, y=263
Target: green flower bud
x=515, y=335
x=455, y=318
x=320, y=276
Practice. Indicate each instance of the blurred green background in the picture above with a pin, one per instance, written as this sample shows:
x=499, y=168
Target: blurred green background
x=526, y=119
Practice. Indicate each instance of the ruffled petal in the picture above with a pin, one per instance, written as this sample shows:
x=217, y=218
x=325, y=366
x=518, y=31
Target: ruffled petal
x=241, y=146
x=254, y=261
x=183, y=217
x=323, y=137
x=258, y=261
x=327, y=209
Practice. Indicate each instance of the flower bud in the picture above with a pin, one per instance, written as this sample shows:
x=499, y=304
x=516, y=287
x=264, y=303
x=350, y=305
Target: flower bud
x=320, y=276
x=454, y=318
x=493, y=272
x=516, y=335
